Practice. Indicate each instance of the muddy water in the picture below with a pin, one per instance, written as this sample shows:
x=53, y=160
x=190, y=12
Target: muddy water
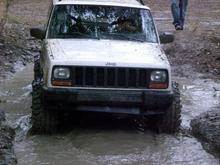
x=116, y=145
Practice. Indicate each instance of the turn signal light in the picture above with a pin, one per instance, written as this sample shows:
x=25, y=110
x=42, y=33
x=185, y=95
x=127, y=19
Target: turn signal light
x=158, y=86
x=61, y=83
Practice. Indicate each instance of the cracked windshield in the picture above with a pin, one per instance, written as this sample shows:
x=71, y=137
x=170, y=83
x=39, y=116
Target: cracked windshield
x=102, y=22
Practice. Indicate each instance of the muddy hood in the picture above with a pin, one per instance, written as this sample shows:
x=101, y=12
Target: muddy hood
x=106, y=52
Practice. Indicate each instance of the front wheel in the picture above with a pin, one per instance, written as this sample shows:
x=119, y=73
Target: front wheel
x=171, y=120
x=43, y=120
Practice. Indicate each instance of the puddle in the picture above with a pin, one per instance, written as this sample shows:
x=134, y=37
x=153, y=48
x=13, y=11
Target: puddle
x=116, y=146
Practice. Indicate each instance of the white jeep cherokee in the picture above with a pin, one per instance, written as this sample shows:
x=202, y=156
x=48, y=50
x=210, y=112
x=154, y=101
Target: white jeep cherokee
x=102, y=56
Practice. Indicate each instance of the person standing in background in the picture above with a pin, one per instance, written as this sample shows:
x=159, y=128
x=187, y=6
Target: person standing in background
x=178, y=8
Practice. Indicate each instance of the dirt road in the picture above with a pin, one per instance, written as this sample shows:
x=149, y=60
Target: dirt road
x=194, y=57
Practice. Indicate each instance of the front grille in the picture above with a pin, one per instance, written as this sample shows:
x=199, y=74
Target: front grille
x=107, y=77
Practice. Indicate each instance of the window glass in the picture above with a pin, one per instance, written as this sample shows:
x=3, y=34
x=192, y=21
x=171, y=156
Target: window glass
x=102, y=22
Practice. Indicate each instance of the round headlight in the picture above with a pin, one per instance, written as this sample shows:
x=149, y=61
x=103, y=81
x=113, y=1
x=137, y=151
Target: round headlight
x=61, y=73
x=158, y=76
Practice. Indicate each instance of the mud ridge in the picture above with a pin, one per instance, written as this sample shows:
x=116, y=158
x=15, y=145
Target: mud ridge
x=7, y=134
x=207, y=128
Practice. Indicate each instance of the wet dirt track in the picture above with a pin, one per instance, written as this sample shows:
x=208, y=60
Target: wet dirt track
x=102, y=143
x=118, y=144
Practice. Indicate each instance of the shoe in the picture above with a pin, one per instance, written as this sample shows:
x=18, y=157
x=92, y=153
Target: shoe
x=178, y=27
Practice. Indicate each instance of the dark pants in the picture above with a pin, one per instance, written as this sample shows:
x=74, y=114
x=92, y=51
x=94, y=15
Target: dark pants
x=178, y=8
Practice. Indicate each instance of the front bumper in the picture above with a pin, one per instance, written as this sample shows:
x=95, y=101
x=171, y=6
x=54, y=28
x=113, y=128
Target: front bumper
x=112, y=101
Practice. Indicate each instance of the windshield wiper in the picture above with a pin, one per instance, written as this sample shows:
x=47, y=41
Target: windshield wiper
x=71, y=34
x=125, y=36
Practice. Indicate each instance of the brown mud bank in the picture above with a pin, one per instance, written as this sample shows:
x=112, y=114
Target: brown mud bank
x=7, y=135
x=198, y=45
x=17, y=48
x=207, y=128
x=200, y=51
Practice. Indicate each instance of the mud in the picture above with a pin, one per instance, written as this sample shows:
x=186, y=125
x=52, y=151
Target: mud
x=16, y=46
x=195, y=65
x=7, y=134
x=199, y=44
x=103, y=139
x=207, y=128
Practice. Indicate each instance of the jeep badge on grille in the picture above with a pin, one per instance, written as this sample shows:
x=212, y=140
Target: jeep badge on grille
x=110, y=64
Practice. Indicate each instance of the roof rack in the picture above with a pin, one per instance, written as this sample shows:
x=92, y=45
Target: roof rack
x=141, y=1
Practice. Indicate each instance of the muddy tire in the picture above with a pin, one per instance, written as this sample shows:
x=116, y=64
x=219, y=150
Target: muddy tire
x=171, y=120
x=43, y=120
x=37, y=70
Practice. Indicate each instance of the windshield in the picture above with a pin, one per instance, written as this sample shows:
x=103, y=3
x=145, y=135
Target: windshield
x=102, y=22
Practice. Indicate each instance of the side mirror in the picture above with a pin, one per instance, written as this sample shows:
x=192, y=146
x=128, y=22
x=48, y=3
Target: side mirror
x=37, y=33
x=166, y=37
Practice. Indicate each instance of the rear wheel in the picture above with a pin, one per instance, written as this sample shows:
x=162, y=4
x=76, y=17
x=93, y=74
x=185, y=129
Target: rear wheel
x=171, y=120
